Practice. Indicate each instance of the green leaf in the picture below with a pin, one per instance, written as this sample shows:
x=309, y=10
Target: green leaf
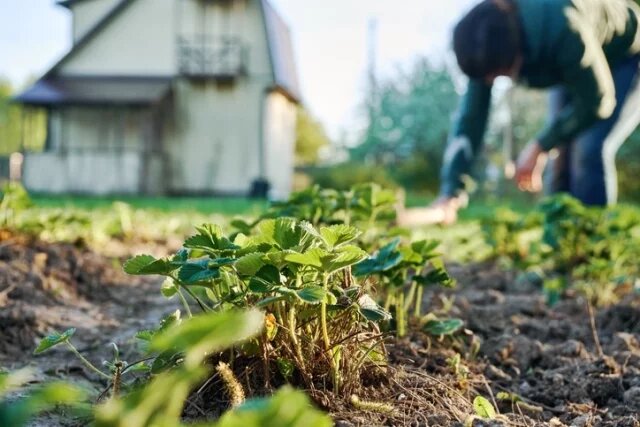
x=437, y=276
x=250, y=264
x=484, y=408
x=265, y=280
x=145, y=335
x=312, y=294
x=286, y=368
x=338, y=235
x=197, y=271
x=166, y=360
x=242, y=226
x=208, y=333
x=385, y=259
x=311, y=258
x=279, y=258
x=146, y=264
x=270, y=300
x=425, y=248
x=287, y=408
x=443, y=327
x=54, y=339
x=286, y=233
x=328, y=262
x=159, y=403
x=210, y=239
x=169, y=288
x=342, y=257
x=371, y=310
x=170, y=320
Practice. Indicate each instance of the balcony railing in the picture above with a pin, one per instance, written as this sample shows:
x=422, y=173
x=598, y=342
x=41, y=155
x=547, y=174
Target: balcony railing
x=222, y=58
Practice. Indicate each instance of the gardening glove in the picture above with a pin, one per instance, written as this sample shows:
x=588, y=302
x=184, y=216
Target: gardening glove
x=529, y=167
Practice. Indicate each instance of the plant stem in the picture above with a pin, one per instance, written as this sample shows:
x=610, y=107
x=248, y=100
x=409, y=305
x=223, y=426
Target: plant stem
x=202, y=305
x=185, y=303
x=388, y=301
x=409, y=299
x=417, y=313
x=86, y=362
x=323, y=315
x=400, y=315
x=325, y=336
x=294, y=339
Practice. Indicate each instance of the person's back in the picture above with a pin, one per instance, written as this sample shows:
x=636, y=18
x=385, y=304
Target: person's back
x=588, y=48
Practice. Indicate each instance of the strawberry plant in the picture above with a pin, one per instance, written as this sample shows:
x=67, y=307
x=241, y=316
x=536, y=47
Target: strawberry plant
x=571, y=245
x=321, y=321
x=402, y=272
x=400, y=269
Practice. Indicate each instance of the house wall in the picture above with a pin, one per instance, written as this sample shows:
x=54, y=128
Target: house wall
x=215, y=144
x=87, y=13
x=280, y=138
x=84, y=173
x=140, y=41
x=96, y=150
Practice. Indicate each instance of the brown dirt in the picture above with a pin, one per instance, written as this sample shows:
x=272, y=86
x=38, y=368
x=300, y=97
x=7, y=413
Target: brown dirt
x=548, y=356
x=514, y=343
x=46, y=287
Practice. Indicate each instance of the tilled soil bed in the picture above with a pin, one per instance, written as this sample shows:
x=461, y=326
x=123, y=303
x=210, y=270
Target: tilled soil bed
x=566, y=362
x=514, y=343
x=45, y=287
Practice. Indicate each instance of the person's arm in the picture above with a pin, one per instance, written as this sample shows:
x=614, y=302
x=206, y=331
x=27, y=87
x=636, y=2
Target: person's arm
x=466, y=139
x=587, y=77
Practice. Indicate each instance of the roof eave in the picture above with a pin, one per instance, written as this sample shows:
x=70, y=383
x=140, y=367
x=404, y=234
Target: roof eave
x=65, y=3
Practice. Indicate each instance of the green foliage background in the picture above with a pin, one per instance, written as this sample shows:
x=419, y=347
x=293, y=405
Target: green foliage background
x=19, y=127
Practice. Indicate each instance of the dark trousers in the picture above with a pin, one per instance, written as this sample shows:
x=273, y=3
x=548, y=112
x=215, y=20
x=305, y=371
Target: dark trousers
x=585, y=167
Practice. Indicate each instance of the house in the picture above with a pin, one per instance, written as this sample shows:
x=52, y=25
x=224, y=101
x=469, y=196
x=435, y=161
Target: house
x=168, y=97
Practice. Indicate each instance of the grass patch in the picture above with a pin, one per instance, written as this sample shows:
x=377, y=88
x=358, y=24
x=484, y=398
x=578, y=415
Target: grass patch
x=206, y=205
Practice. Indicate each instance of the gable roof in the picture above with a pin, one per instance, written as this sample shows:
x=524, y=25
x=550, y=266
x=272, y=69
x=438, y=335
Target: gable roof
x=89, y=35
x=277, y=33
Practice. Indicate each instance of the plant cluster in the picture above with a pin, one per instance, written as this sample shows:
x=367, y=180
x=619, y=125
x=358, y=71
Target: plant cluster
x=571, y=245
x=94, y=227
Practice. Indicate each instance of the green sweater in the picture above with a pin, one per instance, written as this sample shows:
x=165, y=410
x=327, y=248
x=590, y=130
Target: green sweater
x=570, y=43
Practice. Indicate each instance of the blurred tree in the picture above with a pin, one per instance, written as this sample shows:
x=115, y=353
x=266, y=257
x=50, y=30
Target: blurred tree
x=20, y=127
x=409, y=125
x=10, y=121
x=310, y=139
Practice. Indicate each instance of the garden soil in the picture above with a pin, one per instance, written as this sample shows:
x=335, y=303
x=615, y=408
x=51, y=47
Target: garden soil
x=559, y=366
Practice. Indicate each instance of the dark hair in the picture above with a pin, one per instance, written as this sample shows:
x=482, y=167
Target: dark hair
x=488, y=39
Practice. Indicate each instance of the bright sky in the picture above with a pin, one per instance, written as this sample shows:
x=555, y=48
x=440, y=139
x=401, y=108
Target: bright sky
x=330, y=43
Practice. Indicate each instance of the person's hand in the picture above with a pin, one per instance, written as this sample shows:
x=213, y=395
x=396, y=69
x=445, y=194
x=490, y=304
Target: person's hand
x=444, y=210
x=529, y=168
